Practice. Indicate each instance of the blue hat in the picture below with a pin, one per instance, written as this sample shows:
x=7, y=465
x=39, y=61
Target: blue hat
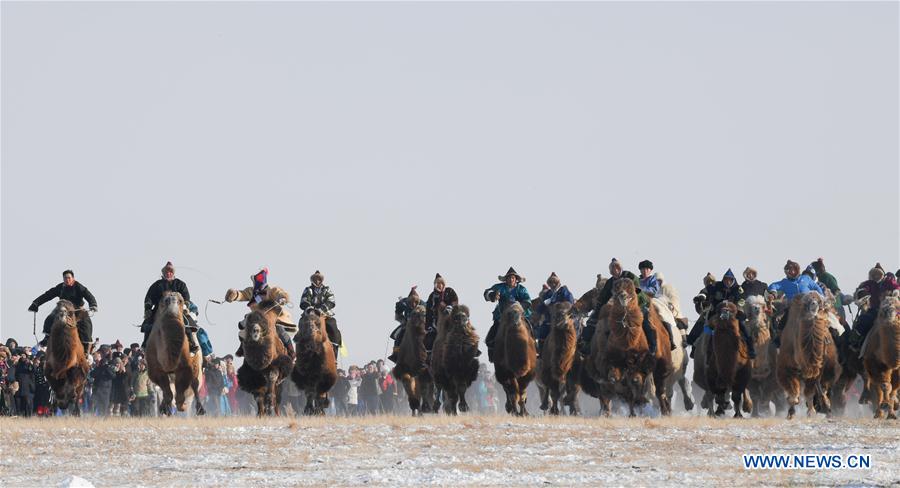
x=728, y=274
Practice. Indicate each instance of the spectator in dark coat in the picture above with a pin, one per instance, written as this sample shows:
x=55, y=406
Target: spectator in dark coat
x=120, y=391
x=339, y=393
x=368, y=391
x=102, y=374
x=25, y=378
x=215, y=384
x=41, y=388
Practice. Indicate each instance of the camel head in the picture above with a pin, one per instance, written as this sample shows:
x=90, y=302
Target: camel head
x=514, y=313
x=65, y=313
x=890, y=306
x=312, y=325
x=812, y=305
x=725, y=317
x=754, y=307
x=561, y=315
x=171, y=303
x=624, y=292
x=459, y=316
x=416, y=320
x=256, y=325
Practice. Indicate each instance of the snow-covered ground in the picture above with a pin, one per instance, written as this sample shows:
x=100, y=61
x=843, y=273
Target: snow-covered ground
x=435, y=450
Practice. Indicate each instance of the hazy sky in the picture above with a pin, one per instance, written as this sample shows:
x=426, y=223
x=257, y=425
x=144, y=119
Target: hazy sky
x=381, y=143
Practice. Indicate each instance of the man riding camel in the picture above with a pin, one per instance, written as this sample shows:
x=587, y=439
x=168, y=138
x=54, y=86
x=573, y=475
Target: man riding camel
x=752, y=286
x=651, y=287
x=552, y=292
x=169, y=282
x=509, y=291
x=76, y=293
x=728, y=290
x=402, y=310
x=603, y=296
x=793, y=284
x=877, y=286
x=259, y=292
x=441, y=297
x=320, y=297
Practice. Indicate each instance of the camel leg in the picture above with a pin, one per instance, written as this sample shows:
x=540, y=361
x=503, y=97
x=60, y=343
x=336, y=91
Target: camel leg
x=554, y=398
x=165, y=407
x=184, y=379
x=893, y=385
x=737, y=397
x=544, y=395
x=686, y=394
x=409, y=384
x=309, y=408
x=791, y=385
x=260, y=403
x=665, y=406
x=461, y=397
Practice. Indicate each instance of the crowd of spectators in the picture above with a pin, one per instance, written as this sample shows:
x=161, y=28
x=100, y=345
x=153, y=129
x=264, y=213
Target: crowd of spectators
x=118, y=384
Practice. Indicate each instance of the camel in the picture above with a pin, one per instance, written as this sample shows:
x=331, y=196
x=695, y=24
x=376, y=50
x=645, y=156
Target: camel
x=412, y=364
x=266, y=360
x=629, y=361
x=763, y=387
x=881, y=357
x=66, y=367
x=455, y=357
x=558, y=357
x=168, y=356
x=315, y=370
x=515, y=358
x=851, y=367
x=807, y=359
x=669, y=311
x=728, y=362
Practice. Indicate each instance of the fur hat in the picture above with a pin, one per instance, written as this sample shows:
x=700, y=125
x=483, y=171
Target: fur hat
x=876, y=273
x=645, y=264
x=818, y=265
x=512, y=272
x=709, y=279
x=552, y=277
x=439, y=278
x=749, y=270
x=118, y=344
x=168, y=267
x=614, y=262
x=317, y=276
x=791, y=264
x=660, y=278
x=413, y=292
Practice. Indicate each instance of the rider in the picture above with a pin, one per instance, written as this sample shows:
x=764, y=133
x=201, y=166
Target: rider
x=552, y=292
x=827, y=280
x=76, y=293
x=701, y=306
x=169, y=282
x=441, y=297
x=402, y=310
x=875, y=287
x=793, y=284
x=506, y=293
x=651, y=287
x=752, y=286
x=320, y=297
x=256, y=294
x=728, y=290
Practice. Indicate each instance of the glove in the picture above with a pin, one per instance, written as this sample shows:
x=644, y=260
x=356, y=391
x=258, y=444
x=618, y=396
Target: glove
x=231, y=295
x=33, y=308
x=193, y=308
x=93, y=309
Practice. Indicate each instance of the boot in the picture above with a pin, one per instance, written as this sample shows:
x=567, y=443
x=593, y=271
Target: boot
x=192, y=345
x=240, y=350
x=539, y=345
x=650, y=334
x=88, y=348
x=44, y=341
x=337, y=348
x=144, y=343
x=751, y=351
x=393, y=356
x=671, y=336
x=490, y=354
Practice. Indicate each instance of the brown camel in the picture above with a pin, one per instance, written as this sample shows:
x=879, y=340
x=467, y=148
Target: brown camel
x=558, y=357
x=807, y=359
x=168, y=356
x=455, y=357
x=515, y=357
x=67, y=367
x=266, y=361
x=596, y=379
x=412, y=364
x=315, y=370
x=727, y=361
x=763, y=387
x=628, y=356
x=881, y=356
